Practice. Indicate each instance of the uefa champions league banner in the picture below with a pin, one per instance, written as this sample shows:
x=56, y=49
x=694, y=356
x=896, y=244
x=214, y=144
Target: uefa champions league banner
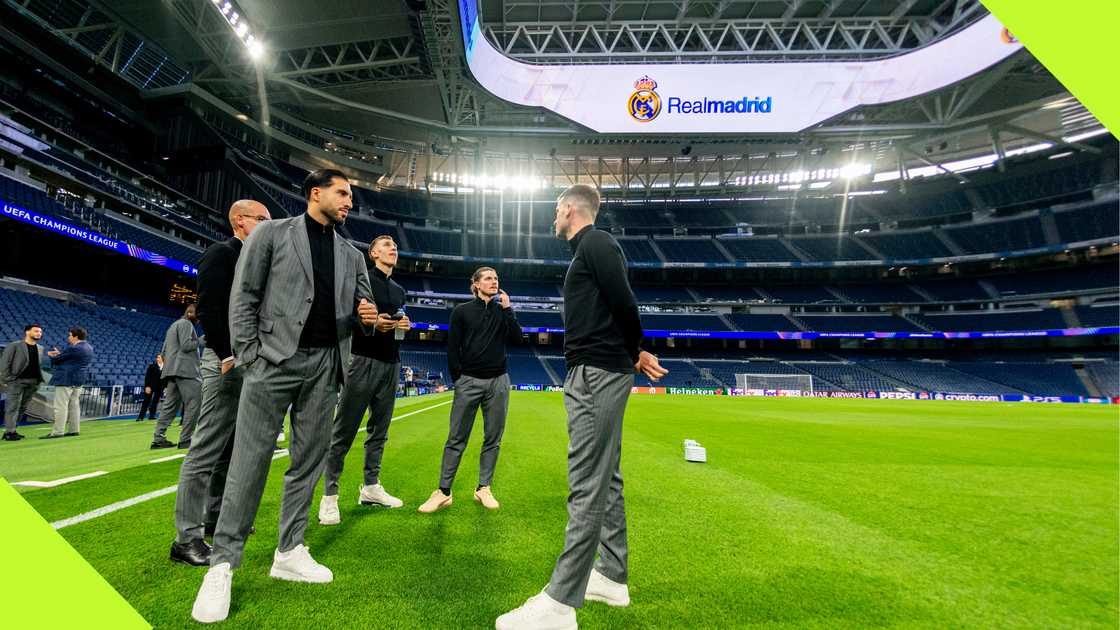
x=93, y=238
x=755, y=97
x=878, y=395
x=746, y=334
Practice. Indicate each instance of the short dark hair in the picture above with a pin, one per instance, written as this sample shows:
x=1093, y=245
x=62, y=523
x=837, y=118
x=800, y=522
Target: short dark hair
x=584, y=194
x=79, y=332
x=30, y=326
x=377, y=239
x=320, y=179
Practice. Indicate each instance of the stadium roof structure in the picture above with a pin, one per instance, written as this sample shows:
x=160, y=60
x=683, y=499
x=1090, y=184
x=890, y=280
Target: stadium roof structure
x=395, y=71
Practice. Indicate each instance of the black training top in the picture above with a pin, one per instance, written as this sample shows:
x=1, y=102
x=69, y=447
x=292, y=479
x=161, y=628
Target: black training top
x=477, y=338
x=389, y=298
x=601, y=324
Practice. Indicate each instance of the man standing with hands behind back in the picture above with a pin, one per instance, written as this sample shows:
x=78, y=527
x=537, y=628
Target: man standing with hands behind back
x=371, y=382
x=202, y=477
x=602, y=350
x=297, y=291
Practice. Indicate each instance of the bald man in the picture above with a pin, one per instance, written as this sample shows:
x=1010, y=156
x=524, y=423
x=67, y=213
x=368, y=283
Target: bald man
x=202, y=478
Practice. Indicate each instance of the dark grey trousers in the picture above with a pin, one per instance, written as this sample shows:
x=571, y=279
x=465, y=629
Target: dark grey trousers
x=179, y=390
x=308, y=381
x=595, y=400
x=470, y=392
x=202, y=476
x=20, y=392
x=370, y=384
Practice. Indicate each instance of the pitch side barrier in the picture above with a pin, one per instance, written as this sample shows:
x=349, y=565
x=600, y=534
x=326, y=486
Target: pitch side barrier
x=736, y=334
x=868, y=395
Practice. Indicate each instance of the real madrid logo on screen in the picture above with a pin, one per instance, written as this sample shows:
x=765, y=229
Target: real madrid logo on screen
x=644, y=103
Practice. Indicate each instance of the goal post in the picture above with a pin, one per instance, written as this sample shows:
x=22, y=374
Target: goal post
x=802, y=382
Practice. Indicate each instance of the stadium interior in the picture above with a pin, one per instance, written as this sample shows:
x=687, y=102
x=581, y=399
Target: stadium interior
x=923, y=249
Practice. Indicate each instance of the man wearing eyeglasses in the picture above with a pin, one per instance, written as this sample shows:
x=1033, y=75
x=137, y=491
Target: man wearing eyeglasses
x=202, y=478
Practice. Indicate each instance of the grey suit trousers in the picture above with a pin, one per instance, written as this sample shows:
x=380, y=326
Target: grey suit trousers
x=20, y=392
x=370, y=384
x=203, y=473
x=470, y=392
x=308, y=381
x=179, y=390
x=595, y=400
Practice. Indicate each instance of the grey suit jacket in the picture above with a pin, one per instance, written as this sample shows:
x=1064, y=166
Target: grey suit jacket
x=180, y=351
x=273, y=288
x=13, y=359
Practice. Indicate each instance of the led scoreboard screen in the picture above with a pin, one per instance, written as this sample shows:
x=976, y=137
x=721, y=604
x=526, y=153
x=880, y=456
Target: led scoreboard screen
x=757, y=97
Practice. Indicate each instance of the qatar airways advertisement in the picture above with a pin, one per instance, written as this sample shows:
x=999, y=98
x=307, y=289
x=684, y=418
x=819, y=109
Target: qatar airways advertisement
x=758, y=97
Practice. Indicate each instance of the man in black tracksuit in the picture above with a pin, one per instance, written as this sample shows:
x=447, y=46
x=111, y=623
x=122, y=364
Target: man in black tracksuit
x=371, y=383
x=476, y=359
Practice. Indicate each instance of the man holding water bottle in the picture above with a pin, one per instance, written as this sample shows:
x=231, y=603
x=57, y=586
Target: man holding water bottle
x=371, y=382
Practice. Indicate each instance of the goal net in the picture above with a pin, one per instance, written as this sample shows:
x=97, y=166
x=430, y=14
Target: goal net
x=786, y=382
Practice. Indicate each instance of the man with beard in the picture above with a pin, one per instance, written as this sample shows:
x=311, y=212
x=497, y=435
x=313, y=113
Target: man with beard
x=297, y=291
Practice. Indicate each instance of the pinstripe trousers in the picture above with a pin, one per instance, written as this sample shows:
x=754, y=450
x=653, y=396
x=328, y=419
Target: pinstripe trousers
x=595, y=400
x=308, y=381
x=370, y=384
x=203, y=474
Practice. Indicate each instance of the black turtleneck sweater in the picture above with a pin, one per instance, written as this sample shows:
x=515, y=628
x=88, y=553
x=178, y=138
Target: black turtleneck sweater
x=478, y=336
x=601, y=324
x=320, y=331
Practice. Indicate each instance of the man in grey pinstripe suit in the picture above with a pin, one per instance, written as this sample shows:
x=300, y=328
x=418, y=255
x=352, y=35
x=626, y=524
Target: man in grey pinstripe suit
x=297, y=290
x=183, y=380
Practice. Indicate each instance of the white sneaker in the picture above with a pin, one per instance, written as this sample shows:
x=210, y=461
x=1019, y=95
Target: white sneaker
x=297, y=565
x=436, y=502
x=486, y=498
x=540, y=612
x=600, y=588
x=212, y=603
x=328, y=510
x=280, y=438
x=376, y=495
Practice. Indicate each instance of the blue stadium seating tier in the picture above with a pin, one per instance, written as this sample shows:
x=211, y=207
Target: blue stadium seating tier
x=993, y=321
x=998, y=236
x=638, y=250
x=1098, y=220
x=758, y=249
x=832, y=247
x=1098, y=316
x=906, y=245
x=689, y=250
x=856, y=323
x=1039, y=379
x=124, y=342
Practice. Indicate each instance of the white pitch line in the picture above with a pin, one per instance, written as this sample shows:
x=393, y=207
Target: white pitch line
x=160, y=460
x=113, y=507
x=58, y=482
x=120, y=505
x=413, y=413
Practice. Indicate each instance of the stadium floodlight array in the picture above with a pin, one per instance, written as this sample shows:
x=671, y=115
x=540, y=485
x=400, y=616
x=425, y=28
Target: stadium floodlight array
x=240, y=26
x=781, y=382
x=490, y=182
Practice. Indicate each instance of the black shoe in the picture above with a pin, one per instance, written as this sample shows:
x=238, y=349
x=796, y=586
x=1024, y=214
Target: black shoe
x=49, y=436
x=71, y=434
x=195, y=553
x=162, y=443
x=186, y=444
x=12, y=436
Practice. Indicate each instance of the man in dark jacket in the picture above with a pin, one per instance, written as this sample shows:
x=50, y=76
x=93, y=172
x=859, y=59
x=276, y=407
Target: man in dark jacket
x=71, y=371
x=476, y=358
x=202, y=477
x=20, y=375
x=153, y=389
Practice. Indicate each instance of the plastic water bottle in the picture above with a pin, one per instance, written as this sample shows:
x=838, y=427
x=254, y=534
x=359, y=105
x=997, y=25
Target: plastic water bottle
x=398, y=334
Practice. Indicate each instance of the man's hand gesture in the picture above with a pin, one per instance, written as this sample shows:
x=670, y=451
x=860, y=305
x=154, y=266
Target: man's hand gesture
x=647, y=364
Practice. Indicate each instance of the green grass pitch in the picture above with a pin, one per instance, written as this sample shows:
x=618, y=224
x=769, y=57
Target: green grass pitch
x=808, y=514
